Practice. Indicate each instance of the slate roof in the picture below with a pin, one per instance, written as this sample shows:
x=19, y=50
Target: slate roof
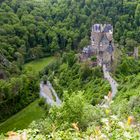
x=88, y=49
x=107, y=28
x=96, y=28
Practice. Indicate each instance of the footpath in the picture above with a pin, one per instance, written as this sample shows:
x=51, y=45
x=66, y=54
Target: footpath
x=111, y=81
x=47, y=91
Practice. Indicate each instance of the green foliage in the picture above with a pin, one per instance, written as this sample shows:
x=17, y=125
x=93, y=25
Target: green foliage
x=126, y=101
x=94, y=58
x=84, y=42
x=41, y=102
x=71, y=111
x=17, y=93
x=69, y=58
x=44, y=78
x=33, y=29
x=69, y=75
x=55, y=127
x=130, y=44
x=23, y=118
x=74, y=109
x=38, y=65
x=128, y=66
x=137, y=14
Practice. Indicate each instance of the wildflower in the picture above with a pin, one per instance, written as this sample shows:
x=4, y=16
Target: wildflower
x=114, y=117
x=75, y=126
x=106, y=97
x=104, y=120
x=130, y=120
x=14, y=136
x=24, y=136
x=109, y=96
x=127, y=135
x=97, y=130
x=107, y=111
x=103, y=136
x=105, y=106
x=121, y=124
x=11, y=133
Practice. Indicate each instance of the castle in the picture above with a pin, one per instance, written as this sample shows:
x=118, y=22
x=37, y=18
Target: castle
x=102, y=43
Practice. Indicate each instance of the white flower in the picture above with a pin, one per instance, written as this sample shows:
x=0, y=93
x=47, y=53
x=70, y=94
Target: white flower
x=106, y=97
x=107, y=127
x=103, y=136
x=127, y=135
x=105, y=106
x=105, y=121
x=121, y=124
x=40, y=137
x=114, y=117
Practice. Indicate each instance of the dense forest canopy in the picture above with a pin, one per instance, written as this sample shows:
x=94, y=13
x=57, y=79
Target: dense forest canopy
x=33, y=29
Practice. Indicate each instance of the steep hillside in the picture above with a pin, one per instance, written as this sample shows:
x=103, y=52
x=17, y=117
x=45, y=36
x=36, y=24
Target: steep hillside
x=32, y=29
x=18, y=91
x=77, y=118
x=69, y=75
x=127, y=100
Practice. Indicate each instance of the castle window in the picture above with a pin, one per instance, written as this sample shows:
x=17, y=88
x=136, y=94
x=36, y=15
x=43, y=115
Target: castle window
x=97, y=28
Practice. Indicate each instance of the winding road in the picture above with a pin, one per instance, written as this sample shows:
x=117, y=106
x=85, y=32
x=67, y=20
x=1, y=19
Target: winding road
x=111, y=81
x=48, y=92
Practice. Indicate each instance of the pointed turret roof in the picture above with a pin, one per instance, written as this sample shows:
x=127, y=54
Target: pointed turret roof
x=107, y=28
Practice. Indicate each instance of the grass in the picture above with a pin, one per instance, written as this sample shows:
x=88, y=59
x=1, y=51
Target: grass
x=38, y=65
x=22, y=119
x=32, y=112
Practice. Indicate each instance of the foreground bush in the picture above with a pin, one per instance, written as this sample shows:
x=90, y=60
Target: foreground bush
x=109, y=126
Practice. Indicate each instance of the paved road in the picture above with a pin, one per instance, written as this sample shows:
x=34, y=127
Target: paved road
x=48, y=92
x=112, y=82
x=58, y=101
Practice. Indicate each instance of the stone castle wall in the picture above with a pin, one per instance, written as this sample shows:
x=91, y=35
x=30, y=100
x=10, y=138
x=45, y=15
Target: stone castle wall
x=102, y=42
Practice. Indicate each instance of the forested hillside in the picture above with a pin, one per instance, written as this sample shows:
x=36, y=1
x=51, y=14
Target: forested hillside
x=34, y=29
x=67, y=75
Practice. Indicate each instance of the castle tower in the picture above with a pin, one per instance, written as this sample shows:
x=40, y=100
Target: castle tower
x=102, y=42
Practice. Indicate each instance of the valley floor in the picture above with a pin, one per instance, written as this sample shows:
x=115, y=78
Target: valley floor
x=23, y=118
x=32, y=112
x=38, y=65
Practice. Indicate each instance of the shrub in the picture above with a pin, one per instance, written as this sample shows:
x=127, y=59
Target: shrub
x=41, y=102
x=94, y=58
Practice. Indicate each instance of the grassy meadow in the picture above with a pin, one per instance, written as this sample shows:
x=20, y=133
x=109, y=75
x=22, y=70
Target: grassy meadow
x=32, y=112
x=23, y=118
x=39, y=64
